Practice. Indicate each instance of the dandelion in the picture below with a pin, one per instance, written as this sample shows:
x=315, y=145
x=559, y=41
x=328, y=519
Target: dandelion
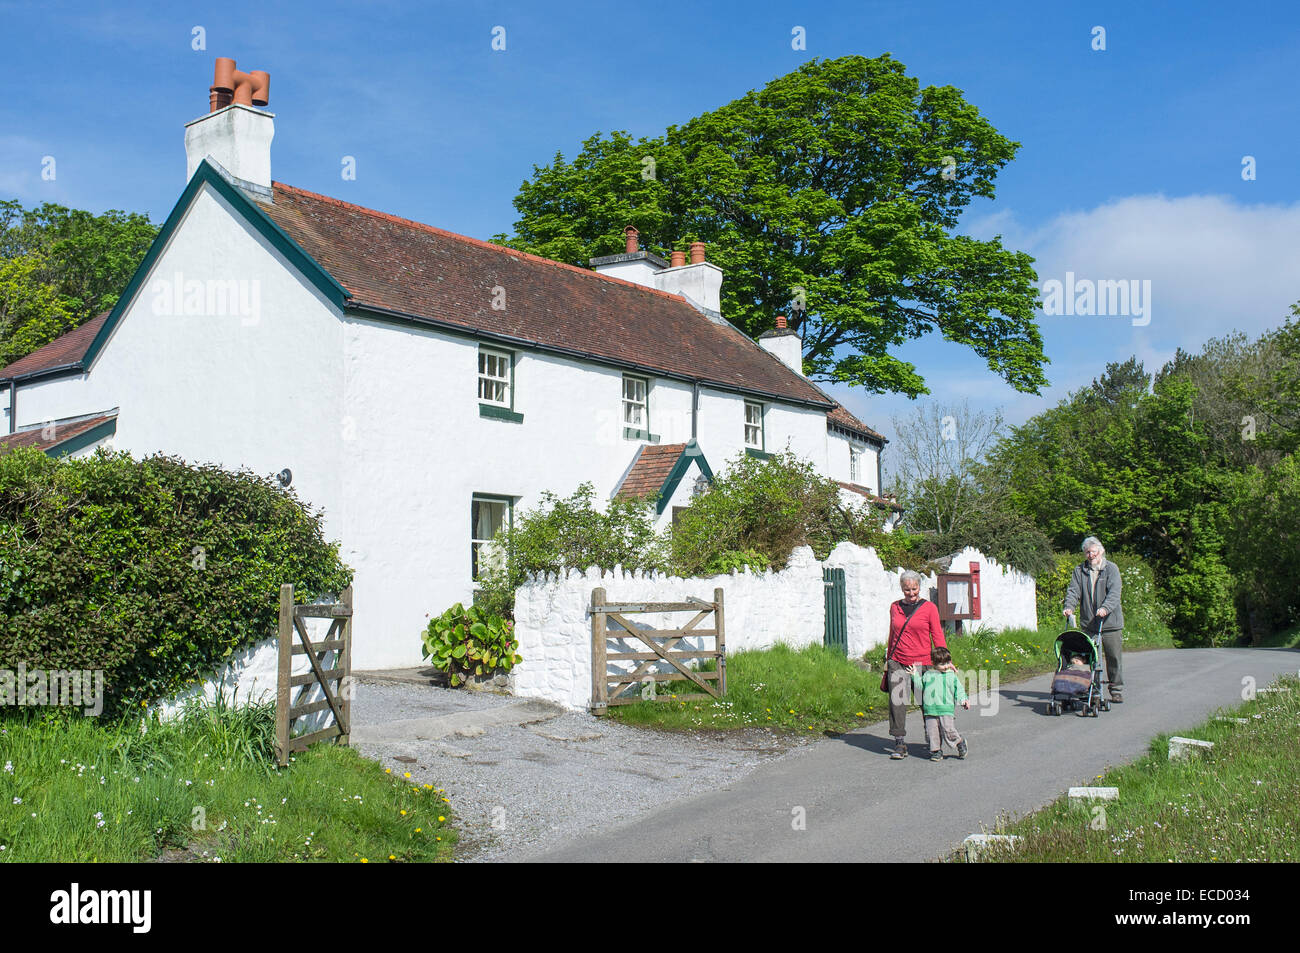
x=417, y=830
x=441, y=818
x=406, y=774
x=403, y=813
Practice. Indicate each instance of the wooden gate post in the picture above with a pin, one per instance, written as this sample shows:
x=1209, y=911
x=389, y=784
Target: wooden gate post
x=346, y=685
x=285, y=669
x=721, y=641
x=599, y=629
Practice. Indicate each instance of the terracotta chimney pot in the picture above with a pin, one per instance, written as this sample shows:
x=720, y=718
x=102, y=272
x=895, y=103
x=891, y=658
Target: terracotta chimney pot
x=678, y=258
x=261, y=86
x=697, y=252
x=223, y=76
x=780, y=322
x=630, y=235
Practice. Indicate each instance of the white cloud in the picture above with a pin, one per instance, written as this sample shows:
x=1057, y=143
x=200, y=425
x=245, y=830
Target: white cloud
x=1215, y=264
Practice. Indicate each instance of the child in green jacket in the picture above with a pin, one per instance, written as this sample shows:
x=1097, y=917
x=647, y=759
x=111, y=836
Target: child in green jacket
x=940, y=689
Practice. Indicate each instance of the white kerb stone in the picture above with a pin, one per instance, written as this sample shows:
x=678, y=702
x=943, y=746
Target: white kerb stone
x=1235, y=721
x=1093, y=794
x=975, y=844
x=1185, y=747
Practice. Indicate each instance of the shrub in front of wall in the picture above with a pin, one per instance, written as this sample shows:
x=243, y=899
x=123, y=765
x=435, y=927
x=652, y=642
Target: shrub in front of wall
x=470, y=642
x=568, y=533
x=153, y=571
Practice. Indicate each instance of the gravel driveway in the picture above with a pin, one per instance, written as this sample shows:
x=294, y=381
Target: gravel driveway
x=526, y=777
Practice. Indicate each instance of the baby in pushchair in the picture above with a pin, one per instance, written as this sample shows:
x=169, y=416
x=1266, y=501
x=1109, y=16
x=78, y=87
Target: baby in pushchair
x=1077, y=682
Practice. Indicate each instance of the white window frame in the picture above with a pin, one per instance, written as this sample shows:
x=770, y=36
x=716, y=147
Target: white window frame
x=506, y=381
x=475, y=543
x=643, y=403
x=759, y=426
x=855, y=465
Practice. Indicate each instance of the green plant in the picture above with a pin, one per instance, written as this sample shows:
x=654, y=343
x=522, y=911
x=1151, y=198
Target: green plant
x=152, y=571
x=731, y=560
x=463, y=642
x=569, y=533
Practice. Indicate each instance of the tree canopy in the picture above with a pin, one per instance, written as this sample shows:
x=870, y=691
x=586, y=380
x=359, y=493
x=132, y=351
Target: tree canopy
x=60, y=267
x=837, y=187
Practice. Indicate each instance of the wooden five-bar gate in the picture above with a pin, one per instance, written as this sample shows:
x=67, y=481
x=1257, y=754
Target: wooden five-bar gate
x=337, y=640
x=661, y=643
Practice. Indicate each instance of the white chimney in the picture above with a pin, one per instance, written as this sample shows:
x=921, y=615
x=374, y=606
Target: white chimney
x=237, y=138
x=699, y=282
x=783, y=344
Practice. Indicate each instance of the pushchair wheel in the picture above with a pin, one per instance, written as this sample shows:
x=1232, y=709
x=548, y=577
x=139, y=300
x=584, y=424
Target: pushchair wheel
x=1105, y=705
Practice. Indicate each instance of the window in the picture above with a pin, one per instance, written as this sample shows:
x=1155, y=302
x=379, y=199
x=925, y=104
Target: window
x=636, y=409
x=753, y=425
x=494, y=377
x=855, y=463
x=487, y=515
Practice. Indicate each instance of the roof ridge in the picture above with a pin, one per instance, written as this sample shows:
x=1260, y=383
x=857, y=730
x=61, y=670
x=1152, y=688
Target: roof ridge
x=477, y=242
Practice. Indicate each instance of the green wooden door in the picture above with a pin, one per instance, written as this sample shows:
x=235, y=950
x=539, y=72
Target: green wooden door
x=837, y=628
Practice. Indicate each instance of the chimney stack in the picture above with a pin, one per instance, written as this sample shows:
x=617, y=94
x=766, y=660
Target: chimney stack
x=630, y=236
x=783, y=344
x=234, y=135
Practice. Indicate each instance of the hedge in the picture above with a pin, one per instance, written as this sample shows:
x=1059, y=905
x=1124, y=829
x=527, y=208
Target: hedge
x=152, y=570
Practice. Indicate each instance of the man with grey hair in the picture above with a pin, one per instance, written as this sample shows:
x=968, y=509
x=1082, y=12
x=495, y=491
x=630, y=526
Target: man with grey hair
x=1095, y=588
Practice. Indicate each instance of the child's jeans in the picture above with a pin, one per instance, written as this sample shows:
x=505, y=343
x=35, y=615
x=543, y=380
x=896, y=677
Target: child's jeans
x=939, y=727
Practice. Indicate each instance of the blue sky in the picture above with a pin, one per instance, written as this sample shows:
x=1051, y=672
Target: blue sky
x=1130, y=166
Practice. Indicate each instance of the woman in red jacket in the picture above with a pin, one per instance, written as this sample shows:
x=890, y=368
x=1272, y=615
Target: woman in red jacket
x=913, y=628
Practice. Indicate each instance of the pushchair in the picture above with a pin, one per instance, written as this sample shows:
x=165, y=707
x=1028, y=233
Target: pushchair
x=1069, y=692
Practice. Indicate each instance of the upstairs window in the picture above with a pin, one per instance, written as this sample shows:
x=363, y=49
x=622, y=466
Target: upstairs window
x=636, y=410
x=494, y=378
x=753, y=425
x=855, y=464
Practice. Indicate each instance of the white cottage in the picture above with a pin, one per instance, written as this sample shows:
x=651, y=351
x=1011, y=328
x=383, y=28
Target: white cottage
x=414, y=384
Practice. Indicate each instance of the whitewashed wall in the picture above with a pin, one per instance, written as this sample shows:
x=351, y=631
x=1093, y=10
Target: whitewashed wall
x=554, y=628
x=251, y=677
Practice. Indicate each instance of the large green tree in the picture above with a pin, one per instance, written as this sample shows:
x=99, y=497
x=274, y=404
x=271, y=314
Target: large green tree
x=838, y=186
x=59, y=267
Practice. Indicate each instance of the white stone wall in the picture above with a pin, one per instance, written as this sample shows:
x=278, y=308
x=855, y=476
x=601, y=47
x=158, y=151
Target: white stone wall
x=554, y=628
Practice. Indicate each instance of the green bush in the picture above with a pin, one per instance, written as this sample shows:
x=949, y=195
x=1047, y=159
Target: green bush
x=464, y=642
x=153, y=571
x=569, y=533
x=769, y=508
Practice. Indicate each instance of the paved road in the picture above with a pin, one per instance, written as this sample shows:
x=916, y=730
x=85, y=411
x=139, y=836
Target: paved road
x=860, y=806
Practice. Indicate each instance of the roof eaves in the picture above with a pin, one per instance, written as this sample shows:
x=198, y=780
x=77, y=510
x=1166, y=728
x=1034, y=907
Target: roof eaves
x=362, y=308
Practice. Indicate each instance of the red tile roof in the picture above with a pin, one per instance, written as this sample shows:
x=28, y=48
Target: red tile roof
x=650, y=471
x=70, y=348
x=863, y=491
x=840, y=417
x=398, y=265
x=46, y=438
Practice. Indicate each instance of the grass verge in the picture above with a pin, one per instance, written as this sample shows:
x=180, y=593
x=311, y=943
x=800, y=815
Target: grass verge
x=204, y=787
x=1238, y=803
x=812, y=689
